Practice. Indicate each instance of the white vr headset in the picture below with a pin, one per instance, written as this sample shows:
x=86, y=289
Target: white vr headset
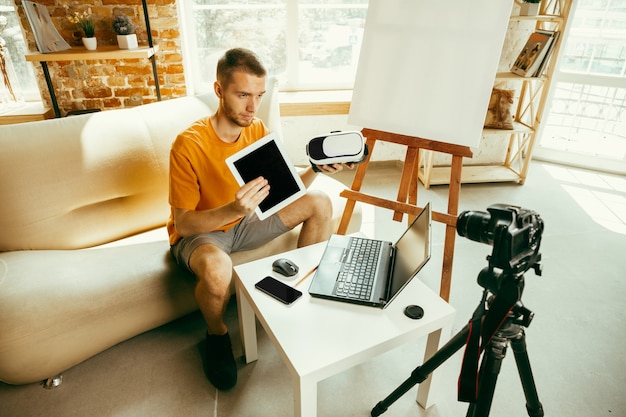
x=335, y=148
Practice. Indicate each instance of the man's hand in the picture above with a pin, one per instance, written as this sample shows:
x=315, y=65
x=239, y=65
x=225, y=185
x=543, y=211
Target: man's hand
x=247, y=198
x=334, y=168
x=309, y=174
x=250, y=196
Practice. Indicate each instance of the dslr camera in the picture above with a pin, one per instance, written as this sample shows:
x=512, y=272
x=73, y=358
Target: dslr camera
x=514, y=232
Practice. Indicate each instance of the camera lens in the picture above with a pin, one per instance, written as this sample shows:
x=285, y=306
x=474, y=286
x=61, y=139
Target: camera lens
x=474, y=226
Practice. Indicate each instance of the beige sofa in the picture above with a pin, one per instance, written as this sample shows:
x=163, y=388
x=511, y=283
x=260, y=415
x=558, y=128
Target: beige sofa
x=84, y=258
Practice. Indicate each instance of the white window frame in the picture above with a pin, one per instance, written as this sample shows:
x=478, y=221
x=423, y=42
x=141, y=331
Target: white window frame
x=589, y=161
x=292, y=81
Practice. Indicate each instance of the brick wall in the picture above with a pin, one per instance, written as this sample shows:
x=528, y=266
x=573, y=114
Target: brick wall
x=112, y=84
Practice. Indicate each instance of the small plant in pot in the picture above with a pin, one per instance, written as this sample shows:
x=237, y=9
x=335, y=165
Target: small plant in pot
x=529, y=7
x=124, y=29
x=84, y=21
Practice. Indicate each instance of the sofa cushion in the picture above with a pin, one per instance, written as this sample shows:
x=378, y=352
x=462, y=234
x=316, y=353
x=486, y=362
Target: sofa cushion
x=86, y=180
x=59, y=308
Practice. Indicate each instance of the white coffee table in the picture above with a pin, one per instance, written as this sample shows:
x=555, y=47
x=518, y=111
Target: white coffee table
x=320, y=338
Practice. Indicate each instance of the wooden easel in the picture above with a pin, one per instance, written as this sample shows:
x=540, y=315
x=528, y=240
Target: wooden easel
x=406, y=201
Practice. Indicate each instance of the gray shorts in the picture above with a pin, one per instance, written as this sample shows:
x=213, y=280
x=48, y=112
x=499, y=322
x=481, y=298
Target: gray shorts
x=249, y=233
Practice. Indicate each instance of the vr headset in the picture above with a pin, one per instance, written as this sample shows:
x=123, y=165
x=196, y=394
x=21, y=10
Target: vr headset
x=335, y=148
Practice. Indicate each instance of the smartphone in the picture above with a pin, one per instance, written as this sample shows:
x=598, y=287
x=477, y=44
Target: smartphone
x=279, y=290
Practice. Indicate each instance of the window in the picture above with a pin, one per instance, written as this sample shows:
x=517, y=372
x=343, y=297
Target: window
x=19, y=73
x=586, y=120
x=306, y=44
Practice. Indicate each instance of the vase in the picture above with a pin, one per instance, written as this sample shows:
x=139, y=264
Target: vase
x=127, y=41
x=529, y=9
x=90, y=43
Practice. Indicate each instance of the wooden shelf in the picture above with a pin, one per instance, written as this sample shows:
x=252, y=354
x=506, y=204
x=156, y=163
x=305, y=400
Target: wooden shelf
x=510, y=76
x=538, y=18
x=79, y=53
x=517, y=128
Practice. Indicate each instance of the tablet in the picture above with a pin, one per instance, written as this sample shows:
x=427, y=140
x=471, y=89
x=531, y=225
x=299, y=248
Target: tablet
x=267, y=158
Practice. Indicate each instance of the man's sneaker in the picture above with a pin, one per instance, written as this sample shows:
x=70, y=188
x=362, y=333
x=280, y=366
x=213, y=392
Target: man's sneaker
x=219, y=364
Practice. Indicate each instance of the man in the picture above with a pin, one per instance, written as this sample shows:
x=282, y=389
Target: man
x=212, y=216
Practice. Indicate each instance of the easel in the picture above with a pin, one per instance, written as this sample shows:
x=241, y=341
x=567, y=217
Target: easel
x=406, y=201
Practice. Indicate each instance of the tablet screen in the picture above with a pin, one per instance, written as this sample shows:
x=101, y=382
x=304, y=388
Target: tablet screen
x=266, y=158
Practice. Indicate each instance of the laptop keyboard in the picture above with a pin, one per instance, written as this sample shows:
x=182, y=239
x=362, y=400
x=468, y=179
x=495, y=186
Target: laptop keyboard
x=357, y=277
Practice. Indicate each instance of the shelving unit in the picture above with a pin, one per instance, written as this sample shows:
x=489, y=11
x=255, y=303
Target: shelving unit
x=103, y=52
x=533, y=92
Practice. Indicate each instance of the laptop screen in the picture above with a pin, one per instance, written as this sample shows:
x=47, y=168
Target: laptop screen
x=412, y=251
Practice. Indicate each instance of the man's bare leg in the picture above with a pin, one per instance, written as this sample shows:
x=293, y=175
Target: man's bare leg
x=213, y=269
x=314, y=210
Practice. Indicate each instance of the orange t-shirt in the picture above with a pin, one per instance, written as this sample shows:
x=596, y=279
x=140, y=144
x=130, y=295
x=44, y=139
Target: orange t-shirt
x=199, y=177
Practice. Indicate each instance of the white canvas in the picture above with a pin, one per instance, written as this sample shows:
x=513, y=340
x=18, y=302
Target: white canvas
x=427, y=68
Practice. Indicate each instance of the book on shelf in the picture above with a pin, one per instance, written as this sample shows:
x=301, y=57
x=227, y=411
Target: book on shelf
x=47, y=37
x=546, y=57
x=534, y=55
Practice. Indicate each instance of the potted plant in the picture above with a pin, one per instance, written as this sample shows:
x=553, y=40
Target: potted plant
x=124, y=28
x=529, y=8
x=85, y=22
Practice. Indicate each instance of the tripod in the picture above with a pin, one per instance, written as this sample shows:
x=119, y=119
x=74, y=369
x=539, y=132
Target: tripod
x=509, y=331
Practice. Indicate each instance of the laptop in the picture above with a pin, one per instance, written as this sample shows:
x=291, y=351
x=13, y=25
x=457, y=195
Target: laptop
x=372, y=272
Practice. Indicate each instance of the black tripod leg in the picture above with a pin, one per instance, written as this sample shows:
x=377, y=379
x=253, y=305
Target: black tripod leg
x=420, y=373
x=533, y=405
x=488, y=376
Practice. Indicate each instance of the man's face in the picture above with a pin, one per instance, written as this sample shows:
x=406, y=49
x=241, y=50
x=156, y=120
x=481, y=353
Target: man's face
x=241, y=98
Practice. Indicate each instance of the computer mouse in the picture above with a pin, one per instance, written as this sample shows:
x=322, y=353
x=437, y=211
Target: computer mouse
x=285, y=267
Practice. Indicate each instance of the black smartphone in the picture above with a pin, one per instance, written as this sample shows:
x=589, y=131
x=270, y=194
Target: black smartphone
x=279, y=290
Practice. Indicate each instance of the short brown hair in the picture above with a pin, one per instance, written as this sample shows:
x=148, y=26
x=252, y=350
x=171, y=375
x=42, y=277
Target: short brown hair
x=238, y=59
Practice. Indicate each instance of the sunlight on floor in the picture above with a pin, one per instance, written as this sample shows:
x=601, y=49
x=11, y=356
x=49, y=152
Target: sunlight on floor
x=605, y=202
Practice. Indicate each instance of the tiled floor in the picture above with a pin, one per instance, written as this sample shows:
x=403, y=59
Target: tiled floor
x=575, y=341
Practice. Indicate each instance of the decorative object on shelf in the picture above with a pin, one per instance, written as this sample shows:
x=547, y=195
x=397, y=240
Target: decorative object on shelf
x=84, y=21
x=499, y=110
x=554, y=35
x=46, y=35
x=91, y=44
x=534, y=54
x=124, y=29
x=529, y=8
